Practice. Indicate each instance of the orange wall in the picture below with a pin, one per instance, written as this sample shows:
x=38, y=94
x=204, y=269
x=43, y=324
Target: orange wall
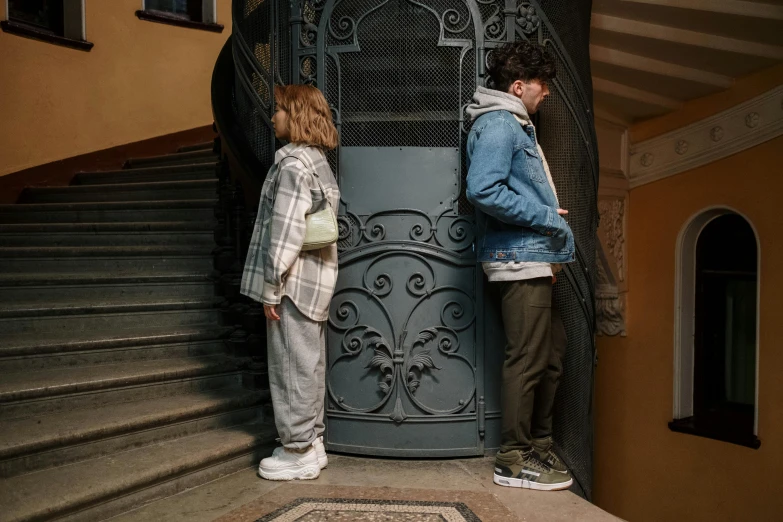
x=141, y=80
x=643, y=471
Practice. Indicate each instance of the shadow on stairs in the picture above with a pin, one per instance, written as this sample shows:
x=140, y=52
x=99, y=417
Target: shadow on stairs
x=119, y=381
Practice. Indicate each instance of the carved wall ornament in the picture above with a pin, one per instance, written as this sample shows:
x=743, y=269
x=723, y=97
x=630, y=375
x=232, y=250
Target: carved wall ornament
x=737, y=129
x=612, y=216
x=609, y=304
x=681, y=147
x=752, y=119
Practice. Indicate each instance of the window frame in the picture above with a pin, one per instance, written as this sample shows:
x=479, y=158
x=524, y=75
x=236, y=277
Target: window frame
x=685, y=327
x=74, y=27
x=208, y=20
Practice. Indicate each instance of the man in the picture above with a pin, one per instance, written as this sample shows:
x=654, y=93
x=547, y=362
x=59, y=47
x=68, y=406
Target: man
x=522, y=240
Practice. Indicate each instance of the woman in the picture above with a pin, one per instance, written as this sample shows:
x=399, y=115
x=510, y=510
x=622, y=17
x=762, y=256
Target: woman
x=295, y=286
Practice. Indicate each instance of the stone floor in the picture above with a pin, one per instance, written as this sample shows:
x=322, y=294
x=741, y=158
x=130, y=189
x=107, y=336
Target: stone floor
x=243, y=496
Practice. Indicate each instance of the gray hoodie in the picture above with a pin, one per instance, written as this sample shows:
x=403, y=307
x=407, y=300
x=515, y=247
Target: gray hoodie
x=489, y=100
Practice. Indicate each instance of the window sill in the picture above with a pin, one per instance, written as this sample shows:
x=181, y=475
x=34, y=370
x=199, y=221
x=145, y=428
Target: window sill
x=28, y=31
x=181, y=22
x=688, y=426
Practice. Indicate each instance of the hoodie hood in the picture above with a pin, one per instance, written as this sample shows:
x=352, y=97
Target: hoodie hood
x=489, y=100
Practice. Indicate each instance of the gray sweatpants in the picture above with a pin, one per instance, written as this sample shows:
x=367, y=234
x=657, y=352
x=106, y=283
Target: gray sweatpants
x=297, y=375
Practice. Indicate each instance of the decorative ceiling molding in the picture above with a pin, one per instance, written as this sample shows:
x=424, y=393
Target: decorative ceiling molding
x=683, y=36
x=610, y=115
x=632, y=93
x=649, y=65
x=734, y=7
x=729, y=132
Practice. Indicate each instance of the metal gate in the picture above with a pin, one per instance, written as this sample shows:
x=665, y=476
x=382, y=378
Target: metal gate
x=415, y=343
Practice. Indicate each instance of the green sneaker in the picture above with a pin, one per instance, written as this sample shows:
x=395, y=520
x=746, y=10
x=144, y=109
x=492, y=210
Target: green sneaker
x=542, y=449
x=517, y=469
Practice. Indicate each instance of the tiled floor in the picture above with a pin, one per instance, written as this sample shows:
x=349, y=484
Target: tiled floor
x=245, y=497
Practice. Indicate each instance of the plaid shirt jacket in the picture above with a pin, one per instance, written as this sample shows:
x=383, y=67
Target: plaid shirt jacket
x=276, y=266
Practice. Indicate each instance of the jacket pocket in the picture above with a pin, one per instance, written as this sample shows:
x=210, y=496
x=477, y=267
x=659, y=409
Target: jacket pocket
x=535, y=168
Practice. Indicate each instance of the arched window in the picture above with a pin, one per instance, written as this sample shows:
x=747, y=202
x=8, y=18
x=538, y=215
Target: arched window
x=716, y=344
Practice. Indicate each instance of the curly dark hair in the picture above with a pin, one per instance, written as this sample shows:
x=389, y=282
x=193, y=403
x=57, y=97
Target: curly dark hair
x=519, y=61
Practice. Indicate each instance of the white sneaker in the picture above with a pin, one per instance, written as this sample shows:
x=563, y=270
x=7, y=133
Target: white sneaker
x=290, y=465
x=320, y=450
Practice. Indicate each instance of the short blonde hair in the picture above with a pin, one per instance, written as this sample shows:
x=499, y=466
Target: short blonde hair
x=309, y=116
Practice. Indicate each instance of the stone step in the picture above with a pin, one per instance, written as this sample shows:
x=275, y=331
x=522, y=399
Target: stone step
x=21, y=345
x=118, y=395
x=35, y=443
x=118, y=259
x=198, y=146
x=166, y=173
x=93, y=386
x=100, y=488
x=117, y=304
x=179, y=158
x=101, y=212
x=111, y=289
x=107, y=234
x=92, y=357
x=142, y=191
x=109, y=316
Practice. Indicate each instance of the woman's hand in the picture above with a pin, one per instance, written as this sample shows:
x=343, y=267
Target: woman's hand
x=270, y=311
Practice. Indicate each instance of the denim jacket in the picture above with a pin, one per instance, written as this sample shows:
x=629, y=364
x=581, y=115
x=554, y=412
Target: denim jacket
x=507, y=184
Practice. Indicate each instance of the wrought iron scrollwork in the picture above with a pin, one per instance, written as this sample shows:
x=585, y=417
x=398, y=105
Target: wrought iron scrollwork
x=447, y=230
x=401, y=365
x=494, y=26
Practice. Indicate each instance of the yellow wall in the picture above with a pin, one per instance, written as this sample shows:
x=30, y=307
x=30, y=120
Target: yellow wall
x=141, y=80
x=643, y=471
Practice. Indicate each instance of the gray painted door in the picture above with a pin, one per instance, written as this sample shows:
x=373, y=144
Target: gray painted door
x=403, y=362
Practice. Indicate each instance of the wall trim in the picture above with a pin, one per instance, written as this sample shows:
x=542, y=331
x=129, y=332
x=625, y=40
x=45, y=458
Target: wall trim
x=729, y=132
x=61, y=172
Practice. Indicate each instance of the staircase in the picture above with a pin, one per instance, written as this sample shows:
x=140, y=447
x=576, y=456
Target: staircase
x=116, y=384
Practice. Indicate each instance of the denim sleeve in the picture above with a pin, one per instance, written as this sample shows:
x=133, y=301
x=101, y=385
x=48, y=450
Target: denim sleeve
x=487, y=183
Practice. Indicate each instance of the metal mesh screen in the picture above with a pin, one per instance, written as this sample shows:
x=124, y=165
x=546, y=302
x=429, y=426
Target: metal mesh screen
x=262, y=57
x=571, y=21
x=401, y=89
x=567, y=142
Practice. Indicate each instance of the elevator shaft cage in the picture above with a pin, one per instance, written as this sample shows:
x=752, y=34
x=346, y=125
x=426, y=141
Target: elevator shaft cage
x=415, y=343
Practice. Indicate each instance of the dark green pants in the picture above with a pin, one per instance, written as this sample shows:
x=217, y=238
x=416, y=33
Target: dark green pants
x=535, y=347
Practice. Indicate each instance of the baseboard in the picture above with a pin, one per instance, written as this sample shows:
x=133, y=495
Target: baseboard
x=60, y=173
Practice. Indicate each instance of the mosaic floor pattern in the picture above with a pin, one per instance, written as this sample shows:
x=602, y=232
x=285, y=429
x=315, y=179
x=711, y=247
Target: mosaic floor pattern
x=307, y=502
x=350, y=510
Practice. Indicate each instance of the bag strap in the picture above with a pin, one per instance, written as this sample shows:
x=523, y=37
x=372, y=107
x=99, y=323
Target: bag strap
x=317, y=179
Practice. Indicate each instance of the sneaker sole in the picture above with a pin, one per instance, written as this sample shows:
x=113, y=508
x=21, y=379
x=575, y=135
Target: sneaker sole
x=323, y=462
x=306, y=473
x=526, y=484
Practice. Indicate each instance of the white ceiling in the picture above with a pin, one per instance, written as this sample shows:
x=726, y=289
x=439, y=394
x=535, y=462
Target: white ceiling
x=650, y=56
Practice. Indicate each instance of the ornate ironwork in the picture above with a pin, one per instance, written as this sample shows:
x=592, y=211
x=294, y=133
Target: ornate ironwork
x=528, y=21
x=400, y=362
x=399, y=73
x=447, y=230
